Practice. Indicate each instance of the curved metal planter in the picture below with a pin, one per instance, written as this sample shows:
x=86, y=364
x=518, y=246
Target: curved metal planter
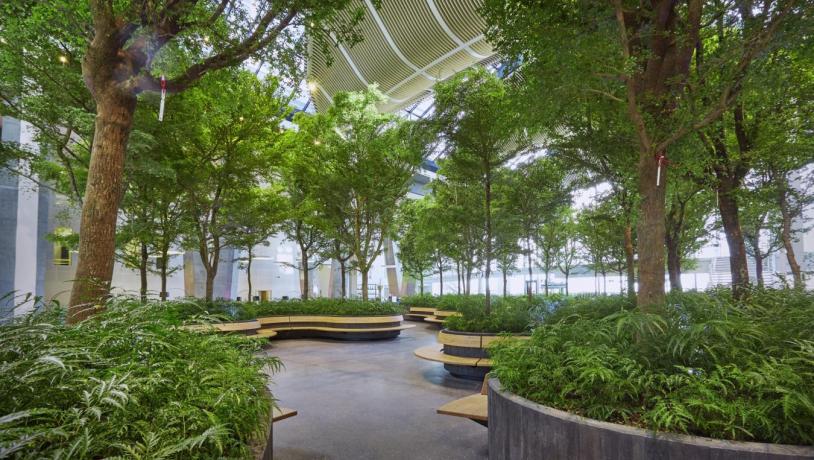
x=521, y=429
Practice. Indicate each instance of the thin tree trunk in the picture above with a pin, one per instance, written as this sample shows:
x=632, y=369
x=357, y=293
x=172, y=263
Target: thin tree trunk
x=421, y=283
x=97, y=235
x=528, y=255
x=441, y=276
x=249, y=275
x=142, y=268
x=566, y=282
x=630, y=262
x=673, y=263
x=505, y=282
x=164, y=265
x=785, y=236
x=304, y=264
x=728, y=207
x=546, y=280
x=342, y=278
x=488, y=251
x=651, y=233
x=364, y=284
x=458, y=274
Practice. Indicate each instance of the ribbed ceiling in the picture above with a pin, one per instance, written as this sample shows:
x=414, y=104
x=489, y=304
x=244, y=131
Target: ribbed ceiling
x=407, y=46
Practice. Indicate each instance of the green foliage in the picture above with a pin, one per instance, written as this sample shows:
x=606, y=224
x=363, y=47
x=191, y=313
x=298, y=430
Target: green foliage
x=420, y=300
x=508, y=314
x=128, y=384
x=710, y=366
x=228, y=310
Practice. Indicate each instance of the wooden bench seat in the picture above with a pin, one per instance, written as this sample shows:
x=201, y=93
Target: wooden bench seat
x=434, y=319
x=474, y=407
x=436, y=353
x=340, y=329
x=282, y=413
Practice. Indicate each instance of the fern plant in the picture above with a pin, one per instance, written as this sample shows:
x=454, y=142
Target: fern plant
x=128, y=383
x=711, y=366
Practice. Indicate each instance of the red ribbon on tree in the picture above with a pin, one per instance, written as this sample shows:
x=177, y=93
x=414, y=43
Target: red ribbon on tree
x=661, y=159
x=163, y=96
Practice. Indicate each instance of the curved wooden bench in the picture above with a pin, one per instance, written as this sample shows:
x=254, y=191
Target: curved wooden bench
x=474, y=407
x=463, y=354
x=420, y=313
x=436, y=353
x=337, y=327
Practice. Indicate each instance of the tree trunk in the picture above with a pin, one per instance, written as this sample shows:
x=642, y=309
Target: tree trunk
x=343, y=290
x=249, y=274
x=364, y=283
x=673, y=263
x=97, y=235
x=630, y=262
x=505, y=282
x=728, y=207
x=142, y=268
x=759, y=270
x=488, y=252
x=785, y=236
x=441, y=279
x=421, y=283
x=566, y=282
x=164, y=265
x=528, y=255
x=545, y=282
x=304, y=264
x=458, y=274
x=651, y=233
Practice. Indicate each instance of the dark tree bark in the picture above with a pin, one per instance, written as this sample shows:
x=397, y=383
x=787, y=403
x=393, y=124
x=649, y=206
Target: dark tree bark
x=674, y=263
x=728, y=207
x=754, y=241
x=142, y=268
x=528, y=255
x=165, y=259
x=249, y=273
x=505, y=282
x=103, y=192
x=488, y=251
x=630, y=262
x=342, y=275
x=785, y=236
x=304, y=286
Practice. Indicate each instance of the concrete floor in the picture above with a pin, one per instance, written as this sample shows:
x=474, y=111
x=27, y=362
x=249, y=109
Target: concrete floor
x=370, y=400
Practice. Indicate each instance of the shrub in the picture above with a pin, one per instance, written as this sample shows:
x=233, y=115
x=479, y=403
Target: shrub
x=128, y=383
x=426, y=300
x=228, y=310
x=510, y=314
x=323, y=306
x=709, y=366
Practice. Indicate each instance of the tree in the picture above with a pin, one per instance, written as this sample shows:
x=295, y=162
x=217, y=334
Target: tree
x=507, y=234
x=759, y=219
x=124, y=47
x=644, y=63
x=251, y=217
x=568, y=255
x=534, y=192
x=365, y=160
x=459, y=224
x=233, y=119
x=550, y=241
x=482, y=131
x=416, y=251
x=688, y=209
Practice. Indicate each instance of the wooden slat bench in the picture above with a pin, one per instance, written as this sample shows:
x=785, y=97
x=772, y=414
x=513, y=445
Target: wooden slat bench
x=474, y=407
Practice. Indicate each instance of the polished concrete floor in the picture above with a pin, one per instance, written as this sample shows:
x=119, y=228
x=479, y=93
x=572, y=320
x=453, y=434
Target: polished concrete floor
x=370, y=400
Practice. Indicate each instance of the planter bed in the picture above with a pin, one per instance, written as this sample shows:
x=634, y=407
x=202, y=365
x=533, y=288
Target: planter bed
x=419, y=313
x=521, y=429
x=334, y=327
x=440, y=316
x=463, y=354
